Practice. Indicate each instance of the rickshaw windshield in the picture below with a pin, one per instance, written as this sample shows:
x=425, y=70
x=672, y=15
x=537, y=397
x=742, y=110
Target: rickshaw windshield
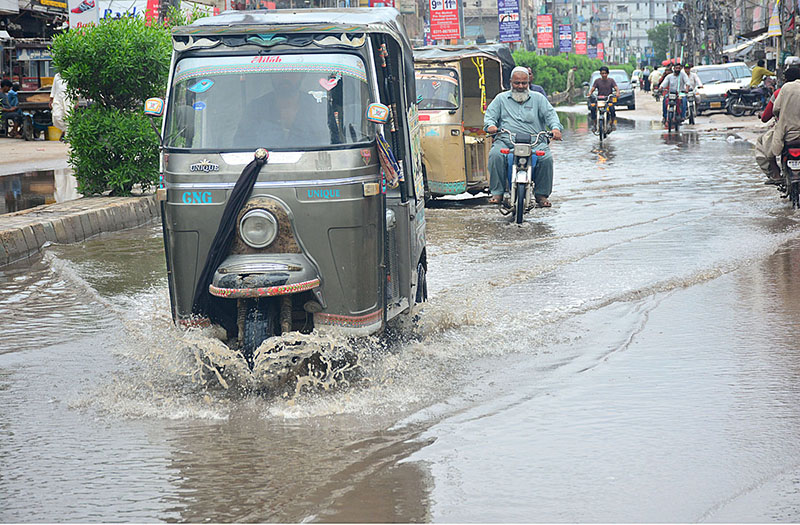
x=292, y=101
x=438, y=88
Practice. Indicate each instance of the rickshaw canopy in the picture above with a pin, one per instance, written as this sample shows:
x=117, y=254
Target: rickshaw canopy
x=497, y=52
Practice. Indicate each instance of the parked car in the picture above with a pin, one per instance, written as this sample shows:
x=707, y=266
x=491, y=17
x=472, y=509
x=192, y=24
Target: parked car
x=626, y=97
x=717, y=81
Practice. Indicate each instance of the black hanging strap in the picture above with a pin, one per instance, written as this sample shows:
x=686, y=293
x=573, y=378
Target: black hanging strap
x=201, y=305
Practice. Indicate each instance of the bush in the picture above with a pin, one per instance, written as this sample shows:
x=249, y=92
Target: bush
x=112, y=149
x=116, y=64
x=550, y=72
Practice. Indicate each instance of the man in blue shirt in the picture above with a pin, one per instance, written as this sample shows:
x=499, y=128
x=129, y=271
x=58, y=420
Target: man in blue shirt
x=9, y=108
x=520, y=110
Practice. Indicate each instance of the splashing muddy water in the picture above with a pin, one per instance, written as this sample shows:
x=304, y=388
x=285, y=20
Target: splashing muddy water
x=627, y=355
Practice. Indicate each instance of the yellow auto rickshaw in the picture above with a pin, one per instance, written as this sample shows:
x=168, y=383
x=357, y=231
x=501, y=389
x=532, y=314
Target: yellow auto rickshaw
x=455, y=85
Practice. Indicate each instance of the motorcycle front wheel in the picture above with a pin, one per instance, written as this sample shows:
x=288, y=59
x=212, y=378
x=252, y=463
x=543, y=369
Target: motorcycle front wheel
x=732, y=109
x=691, y=116
x=601, y=127
x=519, y=205
x=260, y=323
x=669, y=121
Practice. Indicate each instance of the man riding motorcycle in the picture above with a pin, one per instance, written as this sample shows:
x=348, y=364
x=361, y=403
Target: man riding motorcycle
x=604, y=86
x=786, y=110
x=520, y=110
x=676, y=83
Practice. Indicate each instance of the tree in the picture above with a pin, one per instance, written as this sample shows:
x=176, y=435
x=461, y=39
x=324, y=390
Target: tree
x=660, y=36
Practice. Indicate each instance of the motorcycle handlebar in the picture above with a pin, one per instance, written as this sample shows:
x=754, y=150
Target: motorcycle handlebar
x=548, y=135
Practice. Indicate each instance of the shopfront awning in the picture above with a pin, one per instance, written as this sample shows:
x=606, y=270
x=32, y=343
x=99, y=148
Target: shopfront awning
x=735, y=48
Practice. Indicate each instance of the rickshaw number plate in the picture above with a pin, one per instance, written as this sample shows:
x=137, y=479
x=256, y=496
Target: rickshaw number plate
x=716, y=104
x=793, y=164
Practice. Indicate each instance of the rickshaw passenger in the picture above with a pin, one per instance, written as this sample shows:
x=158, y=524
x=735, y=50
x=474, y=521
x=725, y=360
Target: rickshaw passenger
x=520, y=110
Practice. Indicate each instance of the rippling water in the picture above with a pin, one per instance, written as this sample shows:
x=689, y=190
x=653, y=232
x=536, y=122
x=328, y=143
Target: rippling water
x=627, y=355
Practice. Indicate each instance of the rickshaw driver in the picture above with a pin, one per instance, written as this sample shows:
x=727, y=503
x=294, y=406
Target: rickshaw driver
x=274, y=117
x=520, y=110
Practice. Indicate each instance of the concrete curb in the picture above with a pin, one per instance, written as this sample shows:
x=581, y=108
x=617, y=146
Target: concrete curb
x=24, y=233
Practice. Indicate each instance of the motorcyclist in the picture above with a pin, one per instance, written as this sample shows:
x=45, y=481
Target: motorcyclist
x=520, y=110
x=677, y=82
x=694, y=80
x=604, y=85
x=786, y=109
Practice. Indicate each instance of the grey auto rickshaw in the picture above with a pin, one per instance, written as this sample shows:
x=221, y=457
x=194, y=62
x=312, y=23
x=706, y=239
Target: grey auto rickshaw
x=455, y=85
x=292, y=173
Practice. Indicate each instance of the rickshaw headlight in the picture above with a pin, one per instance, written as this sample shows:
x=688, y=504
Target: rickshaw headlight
x=258, y=228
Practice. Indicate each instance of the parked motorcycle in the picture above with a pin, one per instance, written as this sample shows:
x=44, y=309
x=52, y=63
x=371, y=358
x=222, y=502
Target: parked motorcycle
x=752, y=100
x=673, y=112
x=520, y=172
x=790, y=169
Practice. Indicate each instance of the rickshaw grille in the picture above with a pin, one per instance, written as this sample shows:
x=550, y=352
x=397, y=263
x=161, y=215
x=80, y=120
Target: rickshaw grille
x=393, y=286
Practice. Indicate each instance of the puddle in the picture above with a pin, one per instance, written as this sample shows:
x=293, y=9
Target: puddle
x=22, y=191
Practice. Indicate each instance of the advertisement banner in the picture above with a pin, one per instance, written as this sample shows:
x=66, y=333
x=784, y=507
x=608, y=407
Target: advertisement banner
x=83, y=13
x=580, y=42
x=381, y=3
x=592, y=51
x=601, y=51
x=564, y=38
x=544, y=31
x=444, y=19
x=508, y=18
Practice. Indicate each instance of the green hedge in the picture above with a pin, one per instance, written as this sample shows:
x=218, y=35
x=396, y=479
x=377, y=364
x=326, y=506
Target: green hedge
x=550, y=72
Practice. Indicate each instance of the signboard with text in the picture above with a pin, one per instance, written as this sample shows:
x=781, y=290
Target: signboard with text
x=591, y=51
x=508, y=18
x=564, y=38
x=601, y=51
x=544, y=31
x=381, y=3
x=580, y=42
x=444, y=19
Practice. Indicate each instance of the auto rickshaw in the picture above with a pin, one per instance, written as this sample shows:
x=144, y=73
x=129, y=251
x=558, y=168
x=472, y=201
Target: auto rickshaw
x=293, y=194
x=455, y=85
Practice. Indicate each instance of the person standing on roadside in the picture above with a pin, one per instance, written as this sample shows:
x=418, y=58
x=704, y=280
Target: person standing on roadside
x=571, y=82
x=60, y=104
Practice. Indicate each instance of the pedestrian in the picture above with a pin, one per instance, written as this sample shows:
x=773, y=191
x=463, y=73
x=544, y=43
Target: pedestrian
x=646, y=80
x=10, y=114
x=571, y=82
x=60, y=104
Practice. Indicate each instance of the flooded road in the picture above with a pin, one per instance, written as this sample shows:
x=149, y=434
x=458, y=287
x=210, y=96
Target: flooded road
x=628, y=355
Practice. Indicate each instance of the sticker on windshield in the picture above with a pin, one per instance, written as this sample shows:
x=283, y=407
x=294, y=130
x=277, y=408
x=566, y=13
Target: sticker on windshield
x=330, y=83
x=318, y=95
x=436, y=84
x=203, y=85
x=199, y=106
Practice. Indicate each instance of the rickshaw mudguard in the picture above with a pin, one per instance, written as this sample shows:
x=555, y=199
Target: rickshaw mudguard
x=264, y=275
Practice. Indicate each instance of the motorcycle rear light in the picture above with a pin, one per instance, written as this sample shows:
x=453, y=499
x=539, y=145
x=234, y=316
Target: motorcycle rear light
x=540, y=153
x=794, y=152
x=505, y=151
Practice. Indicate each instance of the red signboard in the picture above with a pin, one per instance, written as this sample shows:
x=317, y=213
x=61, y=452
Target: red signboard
x=580, y=42
x=601, y=51
x=381, y=3
x=444, y=19
x=151, y=11
x=544, y=31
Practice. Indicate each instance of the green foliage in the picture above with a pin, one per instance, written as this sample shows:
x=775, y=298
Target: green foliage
x=117, y=63
x=660, y=37
x=112, y=149
x=550, y=72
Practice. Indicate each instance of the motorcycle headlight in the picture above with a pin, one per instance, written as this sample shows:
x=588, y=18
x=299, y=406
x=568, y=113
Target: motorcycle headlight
x=258, y=228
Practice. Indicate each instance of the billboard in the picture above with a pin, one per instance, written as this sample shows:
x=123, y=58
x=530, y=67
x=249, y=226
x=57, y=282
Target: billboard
x=591, y=51
x=444, y=19
x=83, y=12
x=508, y=18
x=544, y=31
x=580, y=42
x=564, y=38
x=601, y=51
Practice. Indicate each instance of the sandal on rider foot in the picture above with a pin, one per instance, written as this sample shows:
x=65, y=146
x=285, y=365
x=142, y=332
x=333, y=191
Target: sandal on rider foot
x=542, y=202
x=495, y=199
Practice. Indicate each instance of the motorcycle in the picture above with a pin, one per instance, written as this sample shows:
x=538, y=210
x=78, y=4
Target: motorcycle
x=790, y=169
x=673, y=112
x=691, y=106
x=752, y=100
x=521, y=168
x=602, y=110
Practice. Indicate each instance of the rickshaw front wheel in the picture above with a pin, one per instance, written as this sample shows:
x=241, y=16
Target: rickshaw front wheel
x=422, y=284
x=260, y=323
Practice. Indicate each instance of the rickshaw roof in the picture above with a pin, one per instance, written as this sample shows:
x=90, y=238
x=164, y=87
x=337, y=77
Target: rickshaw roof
x=499, y=52
x=351, y=20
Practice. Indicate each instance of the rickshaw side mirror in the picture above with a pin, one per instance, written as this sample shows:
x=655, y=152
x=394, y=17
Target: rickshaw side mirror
x=585, y=84
x=377, y=113
x=154, y=107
